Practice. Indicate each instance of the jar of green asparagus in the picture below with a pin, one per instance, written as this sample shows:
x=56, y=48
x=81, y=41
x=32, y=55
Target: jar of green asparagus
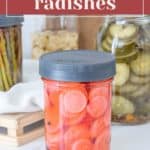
x=129, y=39
x=10, y=51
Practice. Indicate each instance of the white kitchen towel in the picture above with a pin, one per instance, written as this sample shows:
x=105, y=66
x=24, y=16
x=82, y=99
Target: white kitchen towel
x=26, y=96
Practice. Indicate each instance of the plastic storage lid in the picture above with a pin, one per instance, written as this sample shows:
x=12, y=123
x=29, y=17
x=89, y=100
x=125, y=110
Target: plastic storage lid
x=77, y=65
x=10, y=21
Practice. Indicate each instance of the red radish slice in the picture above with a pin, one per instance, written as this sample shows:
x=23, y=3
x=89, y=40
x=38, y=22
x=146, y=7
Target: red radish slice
x=75, y=119
x=52, y=141
x=82, y=144
x=103, y=141
x=73, y=86
x=74, y=101
x=107, y=117
x=87, y=120
x=70, y=118
x=98, y=91
x=52, y=129
x=54, y=98
x=97, y=128
x=97, y=106
x=66, y=114
x=74, y=133
x=52, y=115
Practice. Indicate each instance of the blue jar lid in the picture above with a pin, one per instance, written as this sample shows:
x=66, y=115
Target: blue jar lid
x=77, y=66
x=6, y=21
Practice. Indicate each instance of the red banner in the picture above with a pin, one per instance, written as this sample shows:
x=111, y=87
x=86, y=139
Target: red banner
x=79, y=7
x=146, y=6
x=2, y=6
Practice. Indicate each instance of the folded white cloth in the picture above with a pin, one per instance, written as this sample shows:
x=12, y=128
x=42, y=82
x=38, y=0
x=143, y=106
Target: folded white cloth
x=26, y=96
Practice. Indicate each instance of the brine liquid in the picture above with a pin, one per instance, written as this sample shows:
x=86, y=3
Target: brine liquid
x=77, y=115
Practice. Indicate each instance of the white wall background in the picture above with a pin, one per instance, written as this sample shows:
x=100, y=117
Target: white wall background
x=32, y=23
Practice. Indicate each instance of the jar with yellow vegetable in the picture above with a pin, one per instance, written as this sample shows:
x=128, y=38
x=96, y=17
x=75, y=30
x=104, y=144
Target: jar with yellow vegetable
x=129, y=39
x=10, y=51
x=59, y=33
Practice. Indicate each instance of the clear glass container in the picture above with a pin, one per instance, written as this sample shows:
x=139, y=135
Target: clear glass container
x=77, y=103
x=10, y=51
x=60, y=33
x=129, y=39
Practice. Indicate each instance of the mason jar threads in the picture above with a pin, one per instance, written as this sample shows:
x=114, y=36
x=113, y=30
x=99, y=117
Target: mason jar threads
x=10, y=51
x=61, y=33
x=77, y=87
x=128, y=39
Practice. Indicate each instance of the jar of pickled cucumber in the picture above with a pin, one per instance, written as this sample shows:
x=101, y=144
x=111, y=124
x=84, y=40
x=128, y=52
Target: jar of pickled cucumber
x=10, y=51
x=129, y=39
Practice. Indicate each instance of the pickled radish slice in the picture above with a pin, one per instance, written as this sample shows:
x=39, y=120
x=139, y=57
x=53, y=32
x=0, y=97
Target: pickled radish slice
x=76, y=119
x=52, y=106
x=88, y=120
x=47, y=100
x=82, y=144
x=68, y=117
x=107, y=117
x=74, y=101
x=52, y=115
x=53, y=147
x=74, y=133
x=52, y=129
x=103, y=141
x=71, y=86
x=97, y=106
x=97, y=128
x=99, y=91
x=54, y=98
x=53, y=141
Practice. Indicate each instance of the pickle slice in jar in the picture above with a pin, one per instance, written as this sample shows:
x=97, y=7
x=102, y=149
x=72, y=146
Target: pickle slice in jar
x=127, y=88
x=106, y=47
x=127, y=57
x=122, y=106
x=126, y=49
x=123, y=31
x=122, y=74
x=141, y=66
x=120, y=43
x=142, y=91
x=127, y=53
x=145, y=108
x=109, y=40
x=139, y=79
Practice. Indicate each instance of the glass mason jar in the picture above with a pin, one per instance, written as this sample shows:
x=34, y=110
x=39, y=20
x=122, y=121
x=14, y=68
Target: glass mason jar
x=10, y=51
x=77, y=87
x=129, y=39
x=60, y=33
